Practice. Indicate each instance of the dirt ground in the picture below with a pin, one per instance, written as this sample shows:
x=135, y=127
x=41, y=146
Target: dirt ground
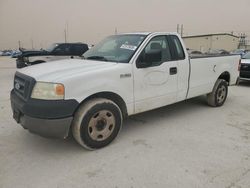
x=185, y=145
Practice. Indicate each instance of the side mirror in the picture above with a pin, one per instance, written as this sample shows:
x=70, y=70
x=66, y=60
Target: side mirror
x=146, y=59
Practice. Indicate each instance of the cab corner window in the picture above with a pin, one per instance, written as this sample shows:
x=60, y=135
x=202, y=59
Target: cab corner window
x=179, y=52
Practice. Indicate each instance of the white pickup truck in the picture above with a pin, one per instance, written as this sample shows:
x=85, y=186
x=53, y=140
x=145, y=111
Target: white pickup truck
x=122, y=75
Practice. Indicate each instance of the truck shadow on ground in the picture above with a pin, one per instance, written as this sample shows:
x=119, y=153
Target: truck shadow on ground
x=135, y=123
x=164, y=114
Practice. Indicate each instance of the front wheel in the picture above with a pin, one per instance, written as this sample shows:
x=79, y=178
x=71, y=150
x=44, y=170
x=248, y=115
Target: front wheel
x=97, y=123
x=219, y=94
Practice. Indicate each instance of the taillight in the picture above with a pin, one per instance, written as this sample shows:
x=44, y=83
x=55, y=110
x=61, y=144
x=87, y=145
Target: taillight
x=239, y=66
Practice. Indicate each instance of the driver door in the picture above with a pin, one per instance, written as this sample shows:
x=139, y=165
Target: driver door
x=156, y=84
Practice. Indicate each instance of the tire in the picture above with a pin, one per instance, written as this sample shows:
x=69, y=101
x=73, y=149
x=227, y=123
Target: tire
x=219, y=94
x=97, y=123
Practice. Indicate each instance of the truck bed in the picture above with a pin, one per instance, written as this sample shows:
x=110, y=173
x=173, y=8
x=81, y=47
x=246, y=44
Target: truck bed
x=206, y=69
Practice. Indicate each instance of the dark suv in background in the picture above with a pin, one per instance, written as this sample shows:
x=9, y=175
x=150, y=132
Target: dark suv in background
x=56, y=51
x=245, y=67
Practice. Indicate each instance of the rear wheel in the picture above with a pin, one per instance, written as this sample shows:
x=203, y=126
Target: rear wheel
x=219, y=94
x=97, y=123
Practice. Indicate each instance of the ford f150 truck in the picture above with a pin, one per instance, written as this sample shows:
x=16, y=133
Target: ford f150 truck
x=122, y=75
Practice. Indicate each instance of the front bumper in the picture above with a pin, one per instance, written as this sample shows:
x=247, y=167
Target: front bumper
x=244, y=79
x=245, y=75
x=50, y=128
x=45, y=118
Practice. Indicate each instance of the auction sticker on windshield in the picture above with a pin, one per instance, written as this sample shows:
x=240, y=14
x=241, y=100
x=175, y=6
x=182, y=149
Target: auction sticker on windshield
x=128, y=47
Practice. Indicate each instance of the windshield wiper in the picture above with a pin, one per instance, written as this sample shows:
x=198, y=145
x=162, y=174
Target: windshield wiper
x=101, y=58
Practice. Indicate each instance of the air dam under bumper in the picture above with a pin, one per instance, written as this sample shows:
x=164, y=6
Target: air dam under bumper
x=50, y=128
x=46, y=118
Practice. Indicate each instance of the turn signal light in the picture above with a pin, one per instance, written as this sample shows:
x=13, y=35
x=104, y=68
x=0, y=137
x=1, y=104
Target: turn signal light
x=59, y=89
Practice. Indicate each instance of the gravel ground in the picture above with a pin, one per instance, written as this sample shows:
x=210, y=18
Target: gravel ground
x=185, y=145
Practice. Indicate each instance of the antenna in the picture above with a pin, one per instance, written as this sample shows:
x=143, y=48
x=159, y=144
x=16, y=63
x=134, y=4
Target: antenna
x=65, y=36
x=66, y=32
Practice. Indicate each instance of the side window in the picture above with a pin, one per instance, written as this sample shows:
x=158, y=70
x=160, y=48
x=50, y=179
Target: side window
x=158, y=43
x=66, y=49
x=76, y=49
x=62, y=50
x=177, y=47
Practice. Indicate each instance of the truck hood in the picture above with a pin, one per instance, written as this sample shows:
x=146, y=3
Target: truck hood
x=57, y=70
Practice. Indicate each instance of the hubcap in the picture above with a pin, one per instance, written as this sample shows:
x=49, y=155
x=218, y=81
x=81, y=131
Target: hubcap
x=221, y=94
x=101, y=125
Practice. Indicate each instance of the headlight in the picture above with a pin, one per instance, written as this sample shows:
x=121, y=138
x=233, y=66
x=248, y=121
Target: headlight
x=48, y=91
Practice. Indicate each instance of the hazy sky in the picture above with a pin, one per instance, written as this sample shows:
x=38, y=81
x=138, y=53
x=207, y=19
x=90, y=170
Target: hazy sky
x=43, y=21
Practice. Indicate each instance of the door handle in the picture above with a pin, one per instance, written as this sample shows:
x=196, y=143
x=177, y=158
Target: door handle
x=173, y=70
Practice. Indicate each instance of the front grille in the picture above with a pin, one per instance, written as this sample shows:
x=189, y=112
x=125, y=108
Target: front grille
x=245, y=67
x=23, y=85
x=245, y=74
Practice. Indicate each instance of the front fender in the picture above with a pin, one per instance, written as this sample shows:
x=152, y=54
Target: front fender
x=82, y=86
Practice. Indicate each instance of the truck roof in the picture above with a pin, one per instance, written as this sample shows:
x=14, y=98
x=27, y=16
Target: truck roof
x=148, y=33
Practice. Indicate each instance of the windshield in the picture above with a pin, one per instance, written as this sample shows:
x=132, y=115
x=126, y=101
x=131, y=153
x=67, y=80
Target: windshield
x=246, y=56
x=116, y=48
x=51, y=47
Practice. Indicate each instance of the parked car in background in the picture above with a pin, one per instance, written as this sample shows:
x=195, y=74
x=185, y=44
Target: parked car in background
x=241, y=52
x=245, y=68
x=217, y=52
x=15, y=53
x=1, y=53
x=6, y=53
x=194, y=53
x=56, y=51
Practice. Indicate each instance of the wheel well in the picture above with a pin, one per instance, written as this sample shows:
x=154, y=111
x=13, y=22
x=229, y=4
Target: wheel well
x=113, y=97
x=225, y=76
